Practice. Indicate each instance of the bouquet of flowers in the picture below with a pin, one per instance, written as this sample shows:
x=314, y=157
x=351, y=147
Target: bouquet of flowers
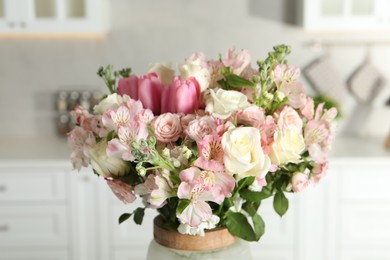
x=206, y=147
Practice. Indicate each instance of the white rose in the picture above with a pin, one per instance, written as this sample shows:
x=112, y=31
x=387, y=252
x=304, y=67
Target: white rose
x=287, y=146
x=112, y=101
x=223, y=103
x=104, y=165
x=194, y=69
x=164, y=72
x=243, y=154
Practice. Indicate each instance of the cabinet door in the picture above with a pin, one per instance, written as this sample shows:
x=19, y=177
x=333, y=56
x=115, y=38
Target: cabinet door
x=350, y=15
x=14, y=15
x=84, y=215
x=53, y=16
x=32, y=226
x=34, y=255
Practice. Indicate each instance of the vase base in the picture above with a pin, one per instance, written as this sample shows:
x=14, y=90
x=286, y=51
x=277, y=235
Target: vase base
x=240, y=250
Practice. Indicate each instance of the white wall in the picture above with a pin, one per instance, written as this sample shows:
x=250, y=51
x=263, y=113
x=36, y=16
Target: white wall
x=143, y=31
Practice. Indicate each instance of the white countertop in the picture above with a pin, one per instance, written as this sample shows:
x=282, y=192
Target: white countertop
x=53, y=148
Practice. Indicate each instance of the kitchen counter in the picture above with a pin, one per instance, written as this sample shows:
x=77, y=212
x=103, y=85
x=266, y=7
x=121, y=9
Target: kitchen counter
x=51, y=148
x=55, y=148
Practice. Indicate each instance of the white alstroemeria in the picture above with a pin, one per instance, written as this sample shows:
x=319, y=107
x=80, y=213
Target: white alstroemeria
x=110, y=102
x=196, y=67
x=189, y=230
x=105, y=165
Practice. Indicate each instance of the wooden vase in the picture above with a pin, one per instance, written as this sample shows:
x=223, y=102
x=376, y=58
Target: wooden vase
x=213, y=239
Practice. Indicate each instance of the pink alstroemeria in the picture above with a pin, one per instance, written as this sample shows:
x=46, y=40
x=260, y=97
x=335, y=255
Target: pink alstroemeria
x=295, y=93
x=146, y=88
x=157, y=188
x=215, y=68
x=121, y=146
x=285, y=74
x=237, y=61
x=130, y=123
x=318, y=134
x=122, y=191
x=113, y=119
x=307, y=110
x=201, y=186
x=210, y=153
x=318, y=172
x=87, y=121
x=79, y=140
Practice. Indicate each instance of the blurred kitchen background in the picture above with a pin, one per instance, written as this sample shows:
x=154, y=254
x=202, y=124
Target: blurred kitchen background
x=50, y=51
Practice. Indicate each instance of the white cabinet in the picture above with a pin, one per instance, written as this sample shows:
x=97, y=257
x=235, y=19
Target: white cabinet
x=48, y=212
x=53, y=16
x=347, y=217
x=34, y=220
x=346, y=15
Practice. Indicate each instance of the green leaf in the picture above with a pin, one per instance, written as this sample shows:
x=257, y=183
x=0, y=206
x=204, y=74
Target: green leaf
x=139, y=214
x=280, y=203
x=259, y=226
x=124, y=217
x=281, y=182
x=150, y=130
x=255, y=196
x=110, y=135
x=170, y=226
x=222, y=83
x=239, y=226
x=251, y=207
x=243, y=183
x=182, y=205
x=235, y=81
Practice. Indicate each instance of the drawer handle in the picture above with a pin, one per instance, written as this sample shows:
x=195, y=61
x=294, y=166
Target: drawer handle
x=3, y=188
x=4, y=228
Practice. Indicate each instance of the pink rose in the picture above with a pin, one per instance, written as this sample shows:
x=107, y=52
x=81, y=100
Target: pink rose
x=185, y=120
x=299, y=181
x=167, y=127
x=287, y=117
x=252, y=115
x=201, y=127
x=146, y=88
x=181, y=96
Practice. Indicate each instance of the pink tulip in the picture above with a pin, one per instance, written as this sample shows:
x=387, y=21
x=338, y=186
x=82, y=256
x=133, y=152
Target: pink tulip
x=182, y=96
x=146, y=88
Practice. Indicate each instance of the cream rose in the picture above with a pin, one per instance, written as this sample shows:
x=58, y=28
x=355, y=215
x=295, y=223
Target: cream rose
x=243, y=154
x=104, y=165
x=223, y=103
x=110, y=102
x=287, y=146
x=164, y=72
x=167, y=127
